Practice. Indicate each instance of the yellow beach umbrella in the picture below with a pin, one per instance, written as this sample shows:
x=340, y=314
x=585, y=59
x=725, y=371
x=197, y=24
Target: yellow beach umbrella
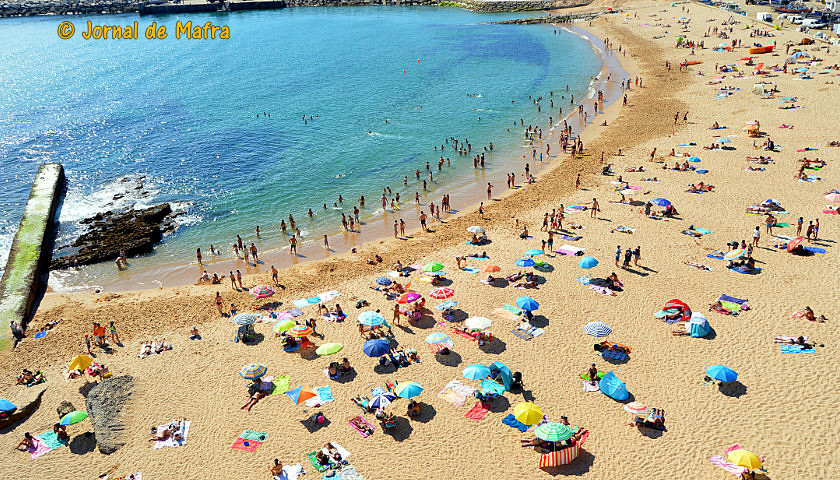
x=744, y=458
x=528, y=413
x=80, y=362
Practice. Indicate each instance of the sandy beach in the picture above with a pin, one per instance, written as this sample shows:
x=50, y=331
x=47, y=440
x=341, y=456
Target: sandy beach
x=780, y=408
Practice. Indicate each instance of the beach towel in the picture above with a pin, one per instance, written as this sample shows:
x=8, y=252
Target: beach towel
x=447, y=304
x=456, y=393
x=290, y=472
x=569, y=250
x=716, y=257
x=783, y=224
x=814, y=249
x=39, y=449
x=790, y=337
x=326, y=394
x=796, y=349
x=338, y=448
x=529, y=329
x=377, y=391
x=246, y=444
x=478, y=258
x=313, y=459
x=478, y=411
x=511, y=421
x=513, y=309
x=281, y=385
x=602, y=290
x=51, y=440
x=471, y=270
x=40, y=335
x=571, y=238
x=363, y=434
x=464, y=334
x=699, y=266
x=613, y=355
x=727, y=298
x=171, y=442
x=574, y=209
x=591, y=387
x=349, y=472
x=300, y=303
x=585, y=376
x=728, y=466
x=504, y=314
x=623, y=229
x=703, y=231
x=745, y=271
x=295, y=312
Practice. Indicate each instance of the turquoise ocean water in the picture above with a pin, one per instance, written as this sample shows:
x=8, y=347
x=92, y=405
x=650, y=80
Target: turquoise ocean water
x=146, y=121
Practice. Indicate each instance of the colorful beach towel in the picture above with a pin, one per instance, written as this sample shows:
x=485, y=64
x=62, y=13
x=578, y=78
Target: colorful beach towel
x=281, y=385
x=503, y=314
x=727, y=298
x=321, y=297
x=728, y=466
x=623, y=229
x=40, y=335
x=529, y=329
x=171, y=442
x=313, y=459
x=511, y=421
x=130, y=476
x=456, y=393
x=249, y=441
x=326, y=394
x=447, y=304
x=569, y=250
x=51, y=440
x=478, y=411
x=571, y=238
x=613, y=355
x=796, y=349
x=39, y=449
x=513, y=309
x=472, y=270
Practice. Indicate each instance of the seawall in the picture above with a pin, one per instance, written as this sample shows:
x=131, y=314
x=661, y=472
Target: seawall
x=31, y=251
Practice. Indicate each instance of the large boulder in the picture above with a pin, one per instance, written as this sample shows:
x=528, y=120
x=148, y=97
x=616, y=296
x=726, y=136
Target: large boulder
x=105, y=403
x=64, y=408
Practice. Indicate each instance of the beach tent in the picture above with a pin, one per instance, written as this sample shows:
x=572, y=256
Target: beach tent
x=564, y=456
x=614, y=388
x=80, y=362
x=504, y=374
x=673, y=306
x=7, y=406
x=698, y=326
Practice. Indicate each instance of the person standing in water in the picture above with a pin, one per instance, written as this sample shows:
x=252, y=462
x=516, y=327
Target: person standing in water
x=293, y=245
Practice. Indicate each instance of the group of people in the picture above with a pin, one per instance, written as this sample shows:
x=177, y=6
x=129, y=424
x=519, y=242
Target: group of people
x=337, y=369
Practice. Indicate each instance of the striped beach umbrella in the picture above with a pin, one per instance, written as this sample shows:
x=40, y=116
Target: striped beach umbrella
x=737, y=253
x=301, y=331
x=597, y=329
x=371, y=319
x=382, y=400
x=553, y=432
x=478, y=323
x=73, y=418
x=253, y=371
x=441, y=293
x=262, y=291
x=636, y=408
x=438, y=341
x=408, y=390
x=283, y=325
x=244, y=319
x=528, y=413
x=833, y=197
x=433, y=267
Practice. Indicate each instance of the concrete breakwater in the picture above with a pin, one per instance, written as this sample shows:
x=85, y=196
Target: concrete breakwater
x=69, y=7
x=31, y=251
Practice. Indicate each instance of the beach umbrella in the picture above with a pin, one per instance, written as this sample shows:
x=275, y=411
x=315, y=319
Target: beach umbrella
x=301, y=394
x=525, y=262
x=833, y=197
x=7, y=406
x=660, y=202
x=476, y=372
x=722, y=373
x=614, y=388
x=441, y=293
x=408, y=390
x=597, y=329
x=693, y=159
x=438, y=341
x=382, y=400
x=527, y=413
x=80, y=362
x=73, y=418
x=262, y=291
x=527, y=303
x=376, y=347
x=478, y=323
x=329, y=349
x=587, y=262
x=433, y=267
x=409, y=297
x=284, y=315
x=492, y=269
x=791, y=246
x=744, y=458
x=534, y=251
x=488, y=385
x=738, y=252
x=636, y=408
x=253, y=371
x=371, y=319
x=384, y=281
x=722, y=140
x=283, y=325
x=698, y=326
x=301, y=331
x=476, y=230
x=504, y=373
x=553, y=432
x=244, y=319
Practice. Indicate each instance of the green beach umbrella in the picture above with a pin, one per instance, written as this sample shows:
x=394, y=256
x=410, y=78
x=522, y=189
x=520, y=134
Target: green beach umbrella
x=73, y=417
x=553, y=432
x=433, y=267
x=329, y=349
x=283, y=325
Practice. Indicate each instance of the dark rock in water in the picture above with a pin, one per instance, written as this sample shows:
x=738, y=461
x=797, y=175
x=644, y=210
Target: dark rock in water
x=105, y=403
x=64, y=408
x=135, y=231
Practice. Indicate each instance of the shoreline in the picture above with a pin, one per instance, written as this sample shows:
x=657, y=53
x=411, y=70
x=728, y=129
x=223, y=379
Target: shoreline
x=376, y=228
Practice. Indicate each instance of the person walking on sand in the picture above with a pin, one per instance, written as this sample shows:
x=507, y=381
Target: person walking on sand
x=254, y=253
x=233, y=280
x=239, y=278
x=326, y=242
x=577, y=182
x=293, y=245
x=87, y=344
x=397, y=315
x=114, y=336
x=489, y=190
x=274, y=275
x=423, y=221
x=756, y=236
x=617, y=254
x=595, y=208
x=799, y=227
x=219, y=304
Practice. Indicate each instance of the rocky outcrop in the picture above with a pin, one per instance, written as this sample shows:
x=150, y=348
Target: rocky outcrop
x=105, y=403
x=64, y=408
x=27, y=400
x=69, y=7
x=551, y=19
x=134, y=231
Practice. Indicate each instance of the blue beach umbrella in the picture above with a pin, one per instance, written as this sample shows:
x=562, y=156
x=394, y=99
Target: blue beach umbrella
x=371, y=319
x=476, y=372
x=597, y=329
x=722, y=140
x=376, y=347
x=504, y=373
x=527, y=303
x=722, y=373
x=693, y=159
x=409, y=390
x=525, y=262
x=660, y=202
x=587, y=262
x=384, y=281
x=382, y=400
x=7, y=406
x=534, y=251
x=614, y=388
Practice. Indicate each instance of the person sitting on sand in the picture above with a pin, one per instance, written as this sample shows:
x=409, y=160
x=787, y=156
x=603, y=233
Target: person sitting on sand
x=194, y=335
x=332, y=451
x=413, y=408
x=345, y=367
x=490, y=280
x=257, y=391
x=27, y=443
x=808, y=314
x=715, y=126
x=524, y=233
x=322, y=458
x=332, y=371
x=474, y=240
x=277, y=468
x=593, y=373
x=614, y=283
x=28, y=378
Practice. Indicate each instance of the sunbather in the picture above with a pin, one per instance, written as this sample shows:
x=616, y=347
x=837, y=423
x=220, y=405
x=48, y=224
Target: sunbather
x=27, y=442
x=808, y=314
x=277, y=468
x=364, y=403
x=257, y=392
x=332, y=452
x=332, y=371
x=28, y=378
x=792, y=341
x=361, y=426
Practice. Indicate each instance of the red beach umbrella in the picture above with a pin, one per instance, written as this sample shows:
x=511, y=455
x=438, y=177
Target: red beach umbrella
x=791, y=246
